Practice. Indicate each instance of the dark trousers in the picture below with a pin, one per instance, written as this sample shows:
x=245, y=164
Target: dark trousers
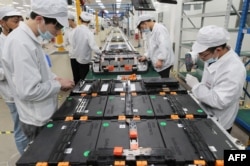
x=79, y=70
x=31, y=131
x=165, y=73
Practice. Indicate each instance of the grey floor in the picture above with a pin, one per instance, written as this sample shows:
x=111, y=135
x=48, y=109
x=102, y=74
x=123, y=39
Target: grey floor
x=60, y=66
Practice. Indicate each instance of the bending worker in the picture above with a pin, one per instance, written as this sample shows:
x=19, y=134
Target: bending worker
x=223, y=78
x=35, y=87
x=159, y=49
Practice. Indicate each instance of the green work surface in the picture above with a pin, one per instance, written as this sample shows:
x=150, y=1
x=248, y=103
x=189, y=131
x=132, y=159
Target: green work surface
x=243, y=119
x=91, y=76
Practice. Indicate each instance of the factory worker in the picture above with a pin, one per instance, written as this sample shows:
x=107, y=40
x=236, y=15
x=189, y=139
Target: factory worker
x=68, y=37
x=9, y=20
x=223, y=77
x=83, y=43
x=160, y=47
x=35, y=87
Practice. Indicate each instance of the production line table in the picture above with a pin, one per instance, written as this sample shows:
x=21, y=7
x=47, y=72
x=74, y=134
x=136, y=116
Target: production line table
x=158, y=132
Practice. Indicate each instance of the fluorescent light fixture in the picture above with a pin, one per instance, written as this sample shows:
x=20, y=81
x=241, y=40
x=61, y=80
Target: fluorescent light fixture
x=19, y=7
x=117, y=11
x=15, y=3
x=98, y=1
x=26, y=5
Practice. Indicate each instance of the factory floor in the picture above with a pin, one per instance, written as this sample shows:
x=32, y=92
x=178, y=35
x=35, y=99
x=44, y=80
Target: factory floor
x=60, y=66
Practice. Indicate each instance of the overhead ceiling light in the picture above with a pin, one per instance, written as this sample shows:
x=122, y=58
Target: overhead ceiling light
x=26, y=5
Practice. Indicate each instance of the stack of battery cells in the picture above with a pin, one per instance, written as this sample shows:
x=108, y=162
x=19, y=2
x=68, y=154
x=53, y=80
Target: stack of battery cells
x=144, y=122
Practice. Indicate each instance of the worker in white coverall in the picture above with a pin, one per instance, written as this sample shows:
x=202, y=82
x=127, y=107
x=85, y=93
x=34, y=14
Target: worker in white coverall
x=9, y=20
x=68, y=39
x=83, y=42
x=35, y=87
x=223, y=78
x=160, y=49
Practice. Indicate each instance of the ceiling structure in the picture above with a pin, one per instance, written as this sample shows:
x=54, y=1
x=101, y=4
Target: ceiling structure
x=91, y=5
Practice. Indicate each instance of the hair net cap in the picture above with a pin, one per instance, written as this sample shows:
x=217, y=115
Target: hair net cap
x=52, y=9
x=86, y=16
x=143, y=17
x=210, y=36
x=71, y=16
x=8, y=11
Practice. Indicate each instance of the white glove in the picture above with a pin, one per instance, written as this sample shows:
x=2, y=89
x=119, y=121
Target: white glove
x=191, y=80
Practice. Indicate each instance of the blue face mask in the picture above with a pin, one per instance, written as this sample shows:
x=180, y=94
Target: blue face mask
x=211, y=60
x=146, y=30
x=46, y=35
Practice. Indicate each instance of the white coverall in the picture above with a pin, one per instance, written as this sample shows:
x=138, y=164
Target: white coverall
x=5, y=91
x=221, y=88
x=83, y=42
x=160, y=47
x=34, y=87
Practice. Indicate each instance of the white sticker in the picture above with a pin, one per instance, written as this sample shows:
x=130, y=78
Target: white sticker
x=104, y=87
x=64, y=127
x=132, y=87
x=87, y=87
x=118, y=89
x=68, y=150
x=135, y=110
x=180, y=125
x=123, y=98
x=86, y=111
x=165, y=98
x=212, y=148
x=185, y=109
x=122, y=126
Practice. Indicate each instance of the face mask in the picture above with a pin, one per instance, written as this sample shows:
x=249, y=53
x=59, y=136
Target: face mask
x=211, y=60
x=46, y=35
x=146, y=30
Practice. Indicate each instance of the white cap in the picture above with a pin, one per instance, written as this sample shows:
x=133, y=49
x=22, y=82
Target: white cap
x=210, y=36
x=143, y=17
x=71, y=16
x=8, y=11
x=52, y=9
x=86, y=16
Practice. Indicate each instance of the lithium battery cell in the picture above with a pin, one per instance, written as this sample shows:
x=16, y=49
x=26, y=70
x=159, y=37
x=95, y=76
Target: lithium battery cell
x=182, y=105
x=76, y=106
x=202, y=138
x=60, y=142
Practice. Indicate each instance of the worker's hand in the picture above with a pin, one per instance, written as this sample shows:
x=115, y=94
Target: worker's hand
x=191, y=80
x=142, y=58
x=158, y=64
x=66, y=84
